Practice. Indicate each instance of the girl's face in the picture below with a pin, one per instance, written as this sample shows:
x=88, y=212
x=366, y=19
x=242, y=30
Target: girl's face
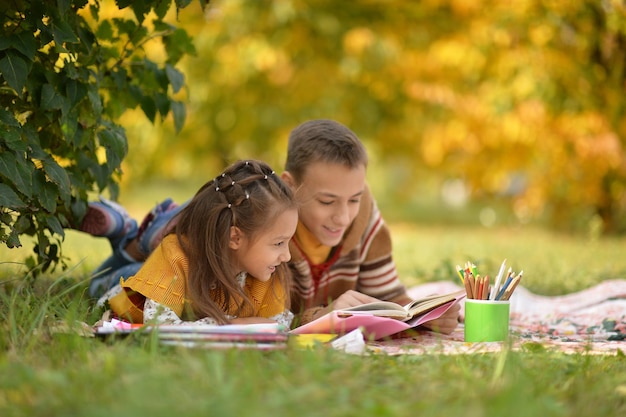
x=329, y=198
x=270, y=248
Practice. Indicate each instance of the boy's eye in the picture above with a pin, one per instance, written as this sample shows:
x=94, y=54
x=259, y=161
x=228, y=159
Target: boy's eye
x=326, y=203
x=281, y=243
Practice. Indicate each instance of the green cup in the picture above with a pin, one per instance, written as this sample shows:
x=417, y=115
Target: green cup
x=486, y=320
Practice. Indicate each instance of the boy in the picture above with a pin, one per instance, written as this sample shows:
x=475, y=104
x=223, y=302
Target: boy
x=341, y=252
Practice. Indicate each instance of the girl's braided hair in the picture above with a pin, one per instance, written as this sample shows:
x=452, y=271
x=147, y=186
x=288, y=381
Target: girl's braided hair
x=247, y=195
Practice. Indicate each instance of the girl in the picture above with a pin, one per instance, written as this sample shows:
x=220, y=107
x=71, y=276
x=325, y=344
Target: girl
x=224, y=260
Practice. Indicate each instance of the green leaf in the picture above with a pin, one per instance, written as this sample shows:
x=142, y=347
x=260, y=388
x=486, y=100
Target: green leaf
x=178, y=44
x=120, y=78
x=162, y=8
x=64, y=5
x=122, y=4
x=180, y=113
x=13, y=241
x=181, y=4
x=52, y=222
x=15, y=70
x=175, y=77
x=9, y=198
x=141, y=9
x=75, y=91
x=113, y=138
x=124, y=26
x=94, y=11
x=7, y=118
x=162, y=26
x=23, y=223
x=5, y=43
x=105, y=31
x=17, y=170
x=25, y=43
x=149, y=107
x=13, y=139
x=69, y=127
x=63, y=33
x=58, y=175
x=96, y=102
x=50, y=100
x=102, y=174
x=47, y=192
x=29, y=132
x=163, y=104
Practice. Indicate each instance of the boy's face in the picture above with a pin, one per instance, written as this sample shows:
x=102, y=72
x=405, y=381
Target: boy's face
x=329, y=197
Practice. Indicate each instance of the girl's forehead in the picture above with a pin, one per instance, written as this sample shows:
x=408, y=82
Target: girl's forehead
x=283, y=226
x=333, y=178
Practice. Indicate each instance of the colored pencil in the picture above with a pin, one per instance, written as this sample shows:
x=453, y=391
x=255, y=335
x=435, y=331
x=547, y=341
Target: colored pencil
x=509, y=278
x=468, y=288
x=496, y=285
x=514, y=283
x=459, y=271
x=486, y=288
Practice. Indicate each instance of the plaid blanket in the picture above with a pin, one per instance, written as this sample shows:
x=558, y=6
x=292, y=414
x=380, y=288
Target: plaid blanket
x=590, y=321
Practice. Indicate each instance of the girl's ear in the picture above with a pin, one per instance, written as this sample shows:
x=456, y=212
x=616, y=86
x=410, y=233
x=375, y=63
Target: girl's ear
x=236, y=238
x=288, y=179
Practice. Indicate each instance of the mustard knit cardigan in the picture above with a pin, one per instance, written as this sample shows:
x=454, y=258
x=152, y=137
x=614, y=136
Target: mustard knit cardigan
x=163, y=278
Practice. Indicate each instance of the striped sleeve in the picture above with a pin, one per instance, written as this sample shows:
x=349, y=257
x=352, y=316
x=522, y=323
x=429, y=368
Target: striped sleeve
x=378, y=275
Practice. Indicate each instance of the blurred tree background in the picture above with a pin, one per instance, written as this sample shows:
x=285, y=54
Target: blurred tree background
x=474, y=103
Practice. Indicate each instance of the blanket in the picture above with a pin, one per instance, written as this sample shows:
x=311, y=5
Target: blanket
x=591, y=321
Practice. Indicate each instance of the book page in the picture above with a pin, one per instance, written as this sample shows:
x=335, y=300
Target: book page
x=378, y=308
x=426, y=304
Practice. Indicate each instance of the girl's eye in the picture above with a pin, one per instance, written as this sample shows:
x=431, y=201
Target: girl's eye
x=281, y=243
x=326, y=203
x=355, y=201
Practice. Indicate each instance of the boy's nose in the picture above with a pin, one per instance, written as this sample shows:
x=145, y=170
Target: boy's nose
x=342, y=216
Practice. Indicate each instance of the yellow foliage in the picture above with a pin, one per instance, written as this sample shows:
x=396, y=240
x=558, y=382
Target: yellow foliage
x=357, y=40
x=487, y=91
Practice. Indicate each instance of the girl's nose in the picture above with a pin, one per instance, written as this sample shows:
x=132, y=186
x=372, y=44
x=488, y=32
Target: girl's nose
x=285, y=256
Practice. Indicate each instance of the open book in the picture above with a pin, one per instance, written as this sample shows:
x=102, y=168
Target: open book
x=404, y=313
x=383, y=318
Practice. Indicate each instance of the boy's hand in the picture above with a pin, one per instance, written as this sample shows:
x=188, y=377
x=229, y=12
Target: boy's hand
x=447, y=322
x=351, y=298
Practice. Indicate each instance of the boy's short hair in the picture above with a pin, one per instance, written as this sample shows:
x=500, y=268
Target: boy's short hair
x=323, y=140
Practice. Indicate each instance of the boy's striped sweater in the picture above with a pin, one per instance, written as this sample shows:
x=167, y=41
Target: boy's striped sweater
x=362, y=262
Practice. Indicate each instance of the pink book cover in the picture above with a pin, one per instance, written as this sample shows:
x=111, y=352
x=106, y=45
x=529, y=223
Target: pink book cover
x=373, y=327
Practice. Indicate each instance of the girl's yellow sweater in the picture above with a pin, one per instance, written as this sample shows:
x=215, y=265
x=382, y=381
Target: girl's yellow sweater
x=163, y=278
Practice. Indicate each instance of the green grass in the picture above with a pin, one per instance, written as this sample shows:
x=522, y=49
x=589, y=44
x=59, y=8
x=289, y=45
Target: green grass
x=50, y=374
